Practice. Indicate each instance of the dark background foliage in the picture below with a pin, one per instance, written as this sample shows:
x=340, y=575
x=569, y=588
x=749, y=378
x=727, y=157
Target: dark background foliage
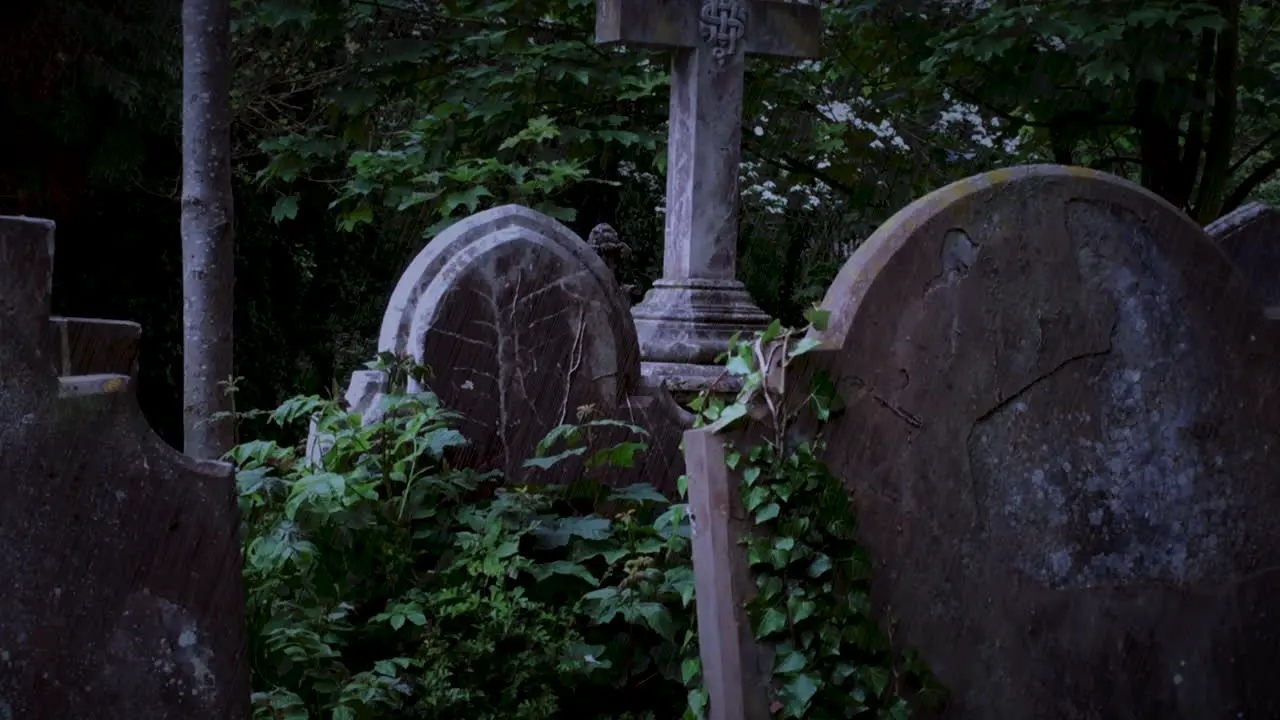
x=362, y=126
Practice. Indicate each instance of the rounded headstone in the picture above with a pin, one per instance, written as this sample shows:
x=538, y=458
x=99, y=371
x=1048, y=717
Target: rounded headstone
x=523, y=327
x=1061, y=437
x=1250, y=237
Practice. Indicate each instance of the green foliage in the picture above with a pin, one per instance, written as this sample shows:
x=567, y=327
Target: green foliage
x=1134, y=87
x=812, y=602
x=441, y=109
x=384, y=582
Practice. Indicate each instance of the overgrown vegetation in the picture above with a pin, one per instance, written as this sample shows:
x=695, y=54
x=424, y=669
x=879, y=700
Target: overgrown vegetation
x=832, y=656
x=385, y=582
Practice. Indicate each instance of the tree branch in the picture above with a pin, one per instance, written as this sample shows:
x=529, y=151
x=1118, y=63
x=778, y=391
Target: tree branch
x=1194, y=146
x=1262, y=145
x=1260, y=175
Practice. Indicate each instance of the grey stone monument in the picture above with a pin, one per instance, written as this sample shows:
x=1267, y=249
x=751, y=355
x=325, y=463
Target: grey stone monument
x=1060, y=437
x=688, y=316
x=524, y=329
x=122, y=591
x=1250, y=237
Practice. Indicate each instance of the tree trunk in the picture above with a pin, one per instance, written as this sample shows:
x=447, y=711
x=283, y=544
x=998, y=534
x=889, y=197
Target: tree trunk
x=1222, y=124
x=208, y=272
x=1157, y=138
x=1193, y=150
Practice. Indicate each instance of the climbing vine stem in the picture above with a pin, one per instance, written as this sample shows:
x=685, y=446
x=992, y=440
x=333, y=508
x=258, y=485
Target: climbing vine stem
x=832, y=658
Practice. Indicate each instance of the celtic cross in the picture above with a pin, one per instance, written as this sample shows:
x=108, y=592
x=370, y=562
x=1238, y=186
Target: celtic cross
x=689, y=315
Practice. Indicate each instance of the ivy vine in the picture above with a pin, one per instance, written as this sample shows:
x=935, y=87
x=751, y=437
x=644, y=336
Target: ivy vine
x=832, y=656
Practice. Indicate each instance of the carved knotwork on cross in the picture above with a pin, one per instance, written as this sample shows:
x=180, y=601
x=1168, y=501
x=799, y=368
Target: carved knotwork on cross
x=723, y=24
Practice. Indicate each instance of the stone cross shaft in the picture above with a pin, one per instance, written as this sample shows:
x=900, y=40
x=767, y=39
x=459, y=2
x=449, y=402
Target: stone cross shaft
x=699, y=302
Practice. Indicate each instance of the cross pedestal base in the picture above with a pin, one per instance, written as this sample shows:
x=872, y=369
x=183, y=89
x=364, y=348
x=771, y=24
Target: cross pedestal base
x=685, y=324
x=692, y=321
x=685, y=382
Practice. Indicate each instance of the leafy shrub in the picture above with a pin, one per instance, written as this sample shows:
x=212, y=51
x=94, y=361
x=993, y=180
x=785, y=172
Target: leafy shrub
x=384, y=582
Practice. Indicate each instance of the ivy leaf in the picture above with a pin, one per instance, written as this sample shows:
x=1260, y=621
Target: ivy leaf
x=771, y=333
x=733, y=413
x=790, y=663
x=801, y=609
x=738, y=365
x=820, y=566
x=732, y=459
x=773, y=621
x=877, y=678
x=804, y=346
x=768, y=512
x=798, y=693
x=755, y=497
x=818, y=317
x=689, y=669
x=698, y=702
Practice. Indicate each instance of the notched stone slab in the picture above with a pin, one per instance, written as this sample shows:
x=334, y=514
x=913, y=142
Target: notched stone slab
x=123, y=594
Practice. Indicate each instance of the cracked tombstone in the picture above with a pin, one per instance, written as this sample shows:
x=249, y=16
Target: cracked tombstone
x=122, y=556
x=524, y=328
x=1062, y=438
x=1250, y=236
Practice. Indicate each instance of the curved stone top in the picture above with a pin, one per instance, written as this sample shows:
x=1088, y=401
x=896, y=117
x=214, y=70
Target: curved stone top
x=1250, y=236
x=873, y=255
x=1060, y=433
x=447, y=254
x=522, y=325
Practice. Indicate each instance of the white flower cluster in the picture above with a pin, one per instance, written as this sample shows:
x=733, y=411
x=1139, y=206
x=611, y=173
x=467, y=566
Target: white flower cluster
x=843, y=112
x=771, y=191
x=985, y=132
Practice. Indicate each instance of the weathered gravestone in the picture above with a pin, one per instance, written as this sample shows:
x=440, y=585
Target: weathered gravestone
x=524, y=327
x=688, y=317
x=1062, y=438
x=121, y=566
x=1250, y=236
